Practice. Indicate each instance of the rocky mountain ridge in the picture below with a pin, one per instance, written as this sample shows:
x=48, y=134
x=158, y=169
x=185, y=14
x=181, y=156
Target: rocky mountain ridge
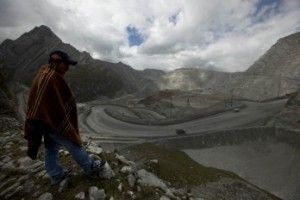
x=274, y=74
x=92, y=78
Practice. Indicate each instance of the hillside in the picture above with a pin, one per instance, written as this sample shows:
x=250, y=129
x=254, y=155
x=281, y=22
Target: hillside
x=274, y=74
x=22, y=57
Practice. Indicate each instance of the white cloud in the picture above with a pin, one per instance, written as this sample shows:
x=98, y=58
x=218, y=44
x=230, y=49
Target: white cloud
x=229, y=35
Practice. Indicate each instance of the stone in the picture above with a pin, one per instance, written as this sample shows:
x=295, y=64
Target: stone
x=8, y=145
x=63, y=184
x=149, y=179
x=111, y=198
x=107, y=172
x=164, y=198
x=80, y=195
x=23, y=178
x=131, y=180
x=92, y=147
x=42, y=173
x=131, y=194
x=4, y=183
x=28, y=186
x=96, y=194
x=6, y=159
x=122, y=159
x=14, y=191
x=23, y=148
x=25, y=162
x=46, y=196
x=127, y=170
x=120, y=187
x=9, y=165
x=10, y=189
x=170, y=194
x=153, y=161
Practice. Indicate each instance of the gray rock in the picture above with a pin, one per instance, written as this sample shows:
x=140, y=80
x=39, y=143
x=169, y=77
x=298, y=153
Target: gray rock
x=6, y=159
x=127, y=170
x=28, y=186
x=120, y=187
x=8, y=191
x=5, y=183
x=169, y=193
x=25, y=162
x=46, y=196
x=14, y=191
x=23, y=178
x=9, y=165
x=164, y=198
x=131, y=194
x=92, y=147
x=149, y=179
x=42, y=173
x=8, y=145
x=63, y=184
x=107, y=172
x=80, y=195
x=131, y=180
x=122, y=159
x=96, y=194
x=23, y=148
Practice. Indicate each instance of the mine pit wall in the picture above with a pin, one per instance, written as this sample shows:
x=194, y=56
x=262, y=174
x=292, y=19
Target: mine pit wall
x=232, y=137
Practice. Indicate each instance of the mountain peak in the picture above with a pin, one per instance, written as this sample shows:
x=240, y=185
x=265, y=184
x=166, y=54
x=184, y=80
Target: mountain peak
x=40, y=32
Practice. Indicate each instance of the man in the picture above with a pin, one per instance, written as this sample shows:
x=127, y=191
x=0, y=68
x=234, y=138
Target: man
x=51, y=113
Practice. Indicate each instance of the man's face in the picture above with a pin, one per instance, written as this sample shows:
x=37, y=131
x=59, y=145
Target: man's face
x=63, y=68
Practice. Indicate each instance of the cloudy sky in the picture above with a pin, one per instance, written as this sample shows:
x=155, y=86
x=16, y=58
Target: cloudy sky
x=165, y=34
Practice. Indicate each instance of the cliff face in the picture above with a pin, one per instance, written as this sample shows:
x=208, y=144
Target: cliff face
x=90, y=79
x=274, y=74
x=289, y=117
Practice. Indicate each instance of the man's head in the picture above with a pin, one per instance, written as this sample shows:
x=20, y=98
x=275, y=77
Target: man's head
x=61, y=60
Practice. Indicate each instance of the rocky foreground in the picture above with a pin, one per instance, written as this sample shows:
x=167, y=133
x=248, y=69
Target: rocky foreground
x=155, y=173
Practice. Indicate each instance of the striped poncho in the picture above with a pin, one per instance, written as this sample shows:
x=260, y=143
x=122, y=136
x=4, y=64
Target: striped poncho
x=51, y=102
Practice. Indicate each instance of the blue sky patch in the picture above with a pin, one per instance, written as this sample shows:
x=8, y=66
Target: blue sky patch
x=271, y=5
x=134, y=37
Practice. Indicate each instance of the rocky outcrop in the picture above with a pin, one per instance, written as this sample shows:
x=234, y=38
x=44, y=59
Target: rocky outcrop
x=274, y=74
x=151, y=177
x=289, y=117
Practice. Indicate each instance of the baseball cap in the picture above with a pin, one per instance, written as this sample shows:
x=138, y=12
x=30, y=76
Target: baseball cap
x=63, y=56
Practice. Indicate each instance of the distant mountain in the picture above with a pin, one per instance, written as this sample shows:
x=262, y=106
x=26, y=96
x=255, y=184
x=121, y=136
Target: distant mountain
x=191, y=79
x=274, y=74
x=90, y=79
